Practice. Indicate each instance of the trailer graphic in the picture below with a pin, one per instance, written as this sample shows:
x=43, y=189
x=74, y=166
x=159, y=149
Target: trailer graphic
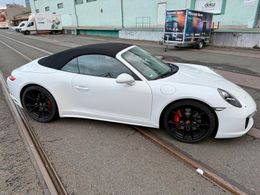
x=187, y=28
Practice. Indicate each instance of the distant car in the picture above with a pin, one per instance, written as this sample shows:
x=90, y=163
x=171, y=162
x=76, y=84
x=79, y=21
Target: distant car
x=18, y=28
x=124, y=83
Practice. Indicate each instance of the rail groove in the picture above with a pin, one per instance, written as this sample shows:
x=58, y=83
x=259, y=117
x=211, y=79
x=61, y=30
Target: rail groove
x=200, y=169
x=47, y=170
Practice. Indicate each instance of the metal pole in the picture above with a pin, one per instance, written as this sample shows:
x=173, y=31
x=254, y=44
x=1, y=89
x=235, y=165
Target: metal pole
x=122, y=13
x=34, y=6
x=76, y=15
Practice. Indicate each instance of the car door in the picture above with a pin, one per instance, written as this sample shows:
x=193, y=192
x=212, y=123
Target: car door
x=98, y=95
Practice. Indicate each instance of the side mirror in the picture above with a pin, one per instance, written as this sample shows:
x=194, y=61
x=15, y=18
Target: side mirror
x=125, y=79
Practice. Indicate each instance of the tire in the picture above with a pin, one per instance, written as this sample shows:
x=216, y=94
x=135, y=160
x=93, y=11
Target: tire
x=200, y=44
x=39, y=104
x=26, y=32
x=189, y=121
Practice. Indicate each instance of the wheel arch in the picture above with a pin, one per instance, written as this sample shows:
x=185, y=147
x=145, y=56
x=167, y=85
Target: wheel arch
x=195, y=100
x=33, y=84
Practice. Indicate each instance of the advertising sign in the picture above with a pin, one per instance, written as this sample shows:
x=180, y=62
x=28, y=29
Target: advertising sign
x=211, y=6
x=187, y=25
x=174, y=24
x=198, y=24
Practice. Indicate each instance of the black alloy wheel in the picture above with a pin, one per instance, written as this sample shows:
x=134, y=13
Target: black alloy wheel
x=39, y=104
x=189, y=121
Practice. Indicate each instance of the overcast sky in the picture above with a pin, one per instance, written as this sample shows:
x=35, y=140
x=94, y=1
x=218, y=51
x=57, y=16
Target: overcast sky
x=3, y=2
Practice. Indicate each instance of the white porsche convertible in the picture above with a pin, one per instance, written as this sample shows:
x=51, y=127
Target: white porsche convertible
x=124, y=83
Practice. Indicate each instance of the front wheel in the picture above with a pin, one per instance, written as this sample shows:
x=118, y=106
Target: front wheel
x=26, y=32
x=39, y=104
x=189, y=121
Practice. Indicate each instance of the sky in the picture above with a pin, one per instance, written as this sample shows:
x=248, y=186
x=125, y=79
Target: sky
x=3, y=2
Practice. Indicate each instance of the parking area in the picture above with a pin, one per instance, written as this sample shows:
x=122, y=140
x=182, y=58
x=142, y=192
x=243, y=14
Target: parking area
x=94, y=157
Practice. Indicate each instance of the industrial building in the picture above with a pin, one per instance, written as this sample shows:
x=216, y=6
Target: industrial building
x=144, y=19
x=16, y=13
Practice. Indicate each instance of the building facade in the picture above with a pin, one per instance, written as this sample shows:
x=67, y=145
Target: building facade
x=12, y=10
x=144, y=19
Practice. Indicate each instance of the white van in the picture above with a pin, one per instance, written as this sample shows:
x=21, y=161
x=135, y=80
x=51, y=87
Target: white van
x=42, y=22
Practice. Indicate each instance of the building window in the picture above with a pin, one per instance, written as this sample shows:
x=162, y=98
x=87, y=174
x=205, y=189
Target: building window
x=47, y=8
x=60, y=5
x=90, y=0
x=78, y=2
x=37, y=11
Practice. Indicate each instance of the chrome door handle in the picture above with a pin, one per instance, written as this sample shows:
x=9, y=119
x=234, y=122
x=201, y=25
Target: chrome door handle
x=82, y=88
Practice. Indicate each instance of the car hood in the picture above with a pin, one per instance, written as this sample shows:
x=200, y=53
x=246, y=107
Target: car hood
x=193, y=74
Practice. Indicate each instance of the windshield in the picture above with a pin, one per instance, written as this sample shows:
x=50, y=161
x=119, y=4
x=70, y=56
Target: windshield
x=22, y=24
x=149, y=66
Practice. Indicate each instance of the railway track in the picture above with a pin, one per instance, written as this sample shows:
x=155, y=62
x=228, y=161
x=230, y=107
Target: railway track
x=47, y=170
x=51, y=177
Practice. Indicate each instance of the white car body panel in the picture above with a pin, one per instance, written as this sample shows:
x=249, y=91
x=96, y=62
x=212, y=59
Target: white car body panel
x=142, y=103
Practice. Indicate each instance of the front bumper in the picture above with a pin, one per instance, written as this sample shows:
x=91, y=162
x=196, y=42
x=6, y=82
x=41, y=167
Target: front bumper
x=235, y=122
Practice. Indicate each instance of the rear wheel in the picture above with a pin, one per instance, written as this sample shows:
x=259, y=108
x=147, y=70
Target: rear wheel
x=26, y=32
x=189, y=121
x=39, y=104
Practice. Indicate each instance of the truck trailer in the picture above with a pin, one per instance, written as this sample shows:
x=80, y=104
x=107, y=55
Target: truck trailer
x=187, y=28
x=42, y=22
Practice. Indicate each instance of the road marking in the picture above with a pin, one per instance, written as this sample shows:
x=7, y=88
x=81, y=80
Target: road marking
x=39, y=49
x=15, y=50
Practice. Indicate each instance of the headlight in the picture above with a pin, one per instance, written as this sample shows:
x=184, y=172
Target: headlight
x=229, y=98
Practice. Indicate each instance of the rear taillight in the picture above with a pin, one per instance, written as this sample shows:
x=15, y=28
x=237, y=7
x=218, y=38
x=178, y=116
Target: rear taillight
x=12, y=78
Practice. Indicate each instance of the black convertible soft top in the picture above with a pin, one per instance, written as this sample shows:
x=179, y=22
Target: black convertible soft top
x=58, y=60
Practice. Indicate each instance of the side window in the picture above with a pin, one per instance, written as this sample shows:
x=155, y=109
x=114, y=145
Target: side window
x=101, y=66
x=71, y=66
x=30, y=24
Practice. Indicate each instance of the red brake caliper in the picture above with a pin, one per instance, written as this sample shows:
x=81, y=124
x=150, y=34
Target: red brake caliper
x=177, y=118
x=49, y=105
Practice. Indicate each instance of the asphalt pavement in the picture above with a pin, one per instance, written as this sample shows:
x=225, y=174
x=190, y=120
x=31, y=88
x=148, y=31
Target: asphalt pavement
x=94, y=157
x=17, y=173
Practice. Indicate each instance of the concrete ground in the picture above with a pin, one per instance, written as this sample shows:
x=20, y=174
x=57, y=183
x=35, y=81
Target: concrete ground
x=17, y=173
x=94, y=157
